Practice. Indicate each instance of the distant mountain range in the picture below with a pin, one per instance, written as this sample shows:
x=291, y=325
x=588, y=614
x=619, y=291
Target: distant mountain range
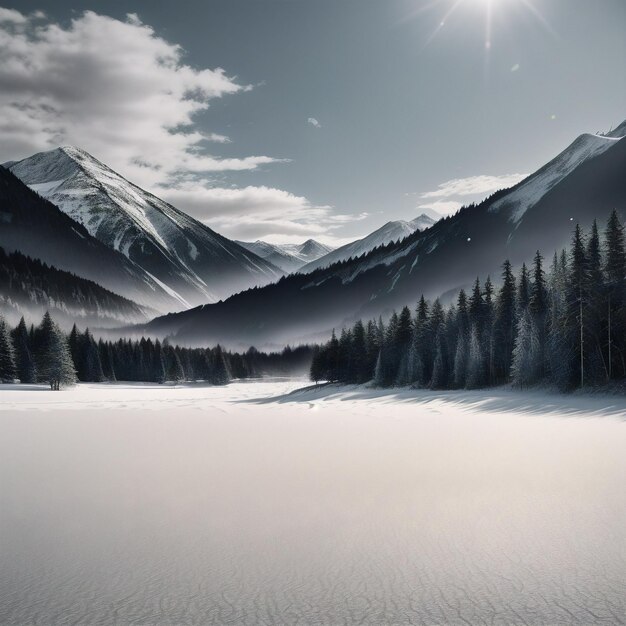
x=191, y=262
x=585, y=181
x=389, y=232
x=288, y=257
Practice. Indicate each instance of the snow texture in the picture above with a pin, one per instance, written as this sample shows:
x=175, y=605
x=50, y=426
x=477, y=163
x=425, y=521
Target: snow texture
x=246, y=504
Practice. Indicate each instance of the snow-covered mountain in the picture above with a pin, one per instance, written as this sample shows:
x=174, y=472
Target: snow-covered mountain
x=288, y=257
x=529, y=191
x=391, y=231
x=37, y=228
x=196, y=264
x=539, y=213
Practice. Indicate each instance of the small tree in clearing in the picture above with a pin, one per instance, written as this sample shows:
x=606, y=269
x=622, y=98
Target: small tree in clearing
x=56, y=366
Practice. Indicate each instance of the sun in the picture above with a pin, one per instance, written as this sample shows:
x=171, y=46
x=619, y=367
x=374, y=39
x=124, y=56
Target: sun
x=488, y=7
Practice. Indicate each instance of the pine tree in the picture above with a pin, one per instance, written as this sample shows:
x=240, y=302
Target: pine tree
x=504, y=325
x=523, y=290
x=441, y=366
x=460, y=361
x=54, y=359
x=526, y=369
x=487, y=335
x=402, y=346
x=219, y=374
x=8, y=370
x=420, y=353
x=106, y=358
x=347, y=372
x=594, y=294
x=476, y=307
x=316, y=372
x=360, y=365
x=476, y=376
x=576, y=300
x=158, y=364
x=173, y=367
x=373, y=343
x=615, y=269
x=332, y=351
x=24, y=359
x=538, y=309
x=90, y=359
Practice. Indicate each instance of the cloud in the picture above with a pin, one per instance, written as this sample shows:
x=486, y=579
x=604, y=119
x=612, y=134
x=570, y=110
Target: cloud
x=515, y=67
x=125, y=94
x=114, y=88
x=12, y=16
x=442, y=207
x=258, y=212
x=216, y=138
x=450, y=196
x=474, y=185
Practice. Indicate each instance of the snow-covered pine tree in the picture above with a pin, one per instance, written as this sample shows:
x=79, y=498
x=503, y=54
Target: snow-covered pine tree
x=8, y=370
x=527, y=366
x=24, y=359
x=441, y=365
x=460, y=361
x=476, y=375
x=615, y=271
x=54, y=359
x=504, y=325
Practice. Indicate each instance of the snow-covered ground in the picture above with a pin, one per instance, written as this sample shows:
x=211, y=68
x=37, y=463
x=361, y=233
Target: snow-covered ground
x=150, y=504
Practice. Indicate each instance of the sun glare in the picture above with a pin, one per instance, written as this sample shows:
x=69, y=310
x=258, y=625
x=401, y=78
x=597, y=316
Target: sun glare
x=488, y=7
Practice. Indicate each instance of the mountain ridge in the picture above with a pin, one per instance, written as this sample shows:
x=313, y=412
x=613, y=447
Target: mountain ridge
x=443, y=258
x=196, y=263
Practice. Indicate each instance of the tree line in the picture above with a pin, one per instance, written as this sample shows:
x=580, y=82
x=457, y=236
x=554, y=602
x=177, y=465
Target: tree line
x=565, y=327
x=45, y=354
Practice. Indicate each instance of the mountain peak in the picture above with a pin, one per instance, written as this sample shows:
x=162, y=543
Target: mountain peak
x=186, y=256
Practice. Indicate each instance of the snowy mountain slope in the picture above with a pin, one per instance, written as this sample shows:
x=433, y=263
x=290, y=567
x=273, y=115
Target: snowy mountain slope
x=308, y=251
x=529, y=191
x=391, y=231
x=442, y=259
x=187, y=257
x=32, y=225
x=288, y=257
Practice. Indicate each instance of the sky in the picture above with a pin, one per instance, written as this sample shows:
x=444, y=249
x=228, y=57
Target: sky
x=289, y=119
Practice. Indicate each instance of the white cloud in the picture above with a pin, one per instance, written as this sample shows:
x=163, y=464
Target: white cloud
x=442, y=207
x=258, y=212
x=473, y=185
x=116, y=89
x=217, y=138
x=450, y=196
x=313, y=122
x=125, y=94
x=12, y=16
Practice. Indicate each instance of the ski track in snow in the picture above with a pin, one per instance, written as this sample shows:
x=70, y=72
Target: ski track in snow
x=248, y=504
